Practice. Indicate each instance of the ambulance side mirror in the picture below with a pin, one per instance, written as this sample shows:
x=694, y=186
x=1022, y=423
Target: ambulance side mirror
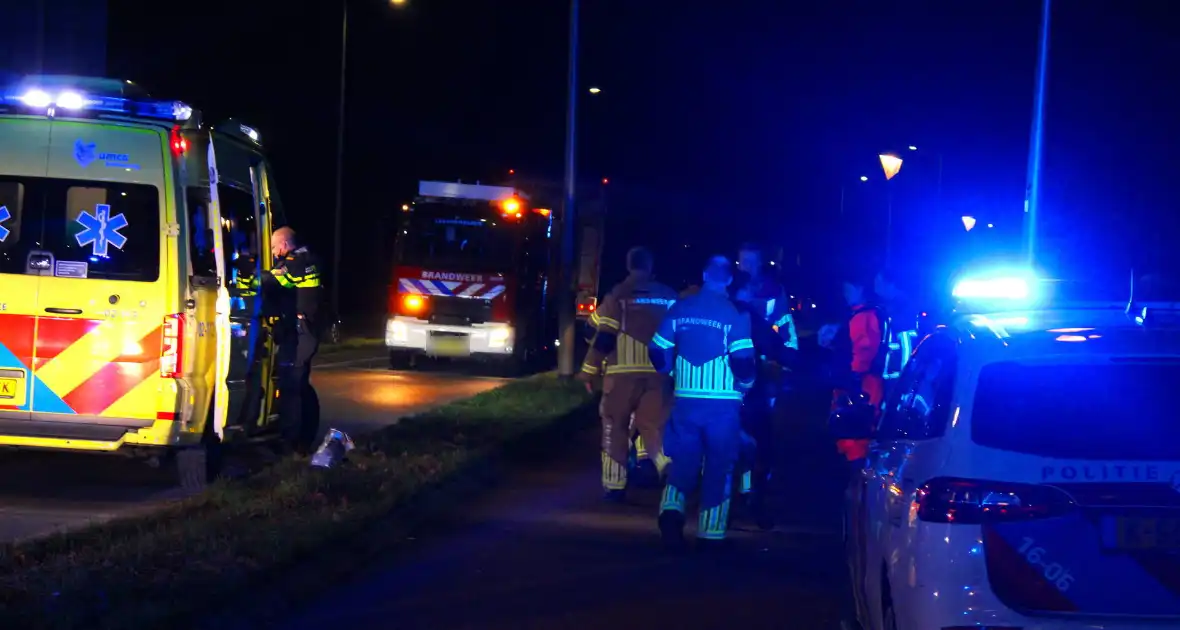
x=853, y=418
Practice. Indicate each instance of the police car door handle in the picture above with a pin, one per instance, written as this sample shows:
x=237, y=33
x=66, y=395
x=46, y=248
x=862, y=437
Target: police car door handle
x=63, y=311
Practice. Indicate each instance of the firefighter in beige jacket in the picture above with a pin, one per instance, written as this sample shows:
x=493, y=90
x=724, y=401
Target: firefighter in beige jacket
x=624, y=325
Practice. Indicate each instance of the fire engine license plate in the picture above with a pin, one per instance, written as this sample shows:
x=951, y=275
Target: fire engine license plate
x=1148, y=533
x=8, y=388
x=450, y=346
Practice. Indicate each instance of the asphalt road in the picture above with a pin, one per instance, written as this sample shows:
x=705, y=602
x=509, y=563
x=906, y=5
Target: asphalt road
x=42, y=493
x=543, y=551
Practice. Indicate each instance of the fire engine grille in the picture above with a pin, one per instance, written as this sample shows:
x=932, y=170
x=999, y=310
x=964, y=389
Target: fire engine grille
x=454, y=311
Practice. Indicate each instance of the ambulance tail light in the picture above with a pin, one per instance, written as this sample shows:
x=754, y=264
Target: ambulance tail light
x=177, y=141
x=172, y=348
x=974, y=502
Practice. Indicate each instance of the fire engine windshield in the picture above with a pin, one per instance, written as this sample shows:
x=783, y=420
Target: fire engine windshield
x=457, y=238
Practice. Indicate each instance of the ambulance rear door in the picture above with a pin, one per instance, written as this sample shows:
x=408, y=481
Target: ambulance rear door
x=104, y=279
x=246, y=251
x=24, y=150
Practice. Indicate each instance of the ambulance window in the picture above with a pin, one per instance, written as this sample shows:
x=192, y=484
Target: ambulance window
x=239, y=229
x=112, y=227
x=200, y=235
x=12, y=257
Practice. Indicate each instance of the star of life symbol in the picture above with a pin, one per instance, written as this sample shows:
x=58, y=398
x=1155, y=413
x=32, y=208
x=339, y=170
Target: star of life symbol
x=101, y=230
x=4, y=216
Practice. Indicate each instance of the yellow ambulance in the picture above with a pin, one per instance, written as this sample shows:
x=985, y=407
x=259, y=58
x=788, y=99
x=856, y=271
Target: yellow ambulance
x=131, y=232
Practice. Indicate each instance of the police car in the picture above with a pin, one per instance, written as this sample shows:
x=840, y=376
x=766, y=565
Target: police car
x=1026, y=471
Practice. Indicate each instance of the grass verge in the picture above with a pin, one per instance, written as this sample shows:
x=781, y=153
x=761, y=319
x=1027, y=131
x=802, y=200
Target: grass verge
x=209, y=552
x=353, y=343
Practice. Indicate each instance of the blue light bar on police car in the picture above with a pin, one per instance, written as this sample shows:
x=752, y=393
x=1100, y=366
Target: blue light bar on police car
x=999, y=287
x=992, y=288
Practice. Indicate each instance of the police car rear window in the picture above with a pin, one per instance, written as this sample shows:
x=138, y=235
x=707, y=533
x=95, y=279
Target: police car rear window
x=108, y=230
x=1117, y=410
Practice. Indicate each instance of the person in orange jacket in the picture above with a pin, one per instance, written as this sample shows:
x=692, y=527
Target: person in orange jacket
x=860, y=347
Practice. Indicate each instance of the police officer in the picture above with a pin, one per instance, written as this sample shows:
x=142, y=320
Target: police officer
x=705, y=341
x=758, y=454
x=625, y=324
x=297, y=270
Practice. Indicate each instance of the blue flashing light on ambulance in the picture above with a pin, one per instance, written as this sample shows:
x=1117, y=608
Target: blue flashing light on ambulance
x=126, y=225
x=1032, y=443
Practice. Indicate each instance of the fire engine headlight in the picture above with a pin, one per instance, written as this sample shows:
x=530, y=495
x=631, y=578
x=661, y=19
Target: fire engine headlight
x=397, y=331
x=499, y=337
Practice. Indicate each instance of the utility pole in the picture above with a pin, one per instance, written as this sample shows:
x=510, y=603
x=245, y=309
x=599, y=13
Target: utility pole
x=567, y=318
x=339, y=217
x=1032, y=191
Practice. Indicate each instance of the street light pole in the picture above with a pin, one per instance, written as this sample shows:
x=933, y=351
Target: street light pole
x=891, y=165
x=339, y=214
x=567, y=318
x=1032, y=191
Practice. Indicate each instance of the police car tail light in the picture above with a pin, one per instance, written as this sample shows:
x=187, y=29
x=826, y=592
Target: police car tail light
x=972, y=501
x=171, y=351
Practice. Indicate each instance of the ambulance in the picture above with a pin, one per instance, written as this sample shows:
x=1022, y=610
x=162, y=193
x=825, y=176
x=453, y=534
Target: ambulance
x=130, y=234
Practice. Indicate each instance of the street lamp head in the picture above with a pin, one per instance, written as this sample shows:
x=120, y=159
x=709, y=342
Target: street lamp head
x=913, y=148
x=864, y=178
x=969, y=222
x=398, y=3
x=594, y=90
x=891, y=164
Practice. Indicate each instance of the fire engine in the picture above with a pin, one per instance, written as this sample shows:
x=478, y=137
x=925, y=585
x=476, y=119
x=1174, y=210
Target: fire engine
x=471, y=277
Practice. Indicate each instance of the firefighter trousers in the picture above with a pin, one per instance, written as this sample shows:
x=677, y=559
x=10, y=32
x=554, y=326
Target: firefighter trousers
x=299, y=405
x=703, y=439
x=644, y=396
x=758, y=423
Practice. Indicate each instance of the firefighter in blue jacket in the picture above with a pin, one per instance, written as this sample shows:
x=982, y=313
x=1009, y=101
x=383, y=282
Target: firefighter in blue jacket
x=705, y=342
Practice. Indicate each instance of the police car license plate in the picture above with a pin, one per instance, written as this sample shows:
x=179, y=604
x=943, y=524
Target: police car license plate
x=1147, y=533
x=450, y=346
x=9, y=387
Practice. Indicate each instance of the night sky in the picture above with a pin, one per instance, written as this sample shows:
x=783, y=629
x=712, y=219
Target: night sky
x=717, y=123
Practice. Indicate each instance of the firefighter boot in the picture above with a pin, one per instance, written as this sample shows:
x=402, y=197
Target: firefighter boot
x=672, y=530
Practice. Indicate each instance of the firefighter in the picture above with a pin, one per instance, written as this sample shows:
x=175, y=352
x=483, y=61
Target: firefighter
x=767, y=294
x=859, y=349
x=297, y=270
x=757, y=425
x=768, y=302
x=706, y=342
x=625, y=323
